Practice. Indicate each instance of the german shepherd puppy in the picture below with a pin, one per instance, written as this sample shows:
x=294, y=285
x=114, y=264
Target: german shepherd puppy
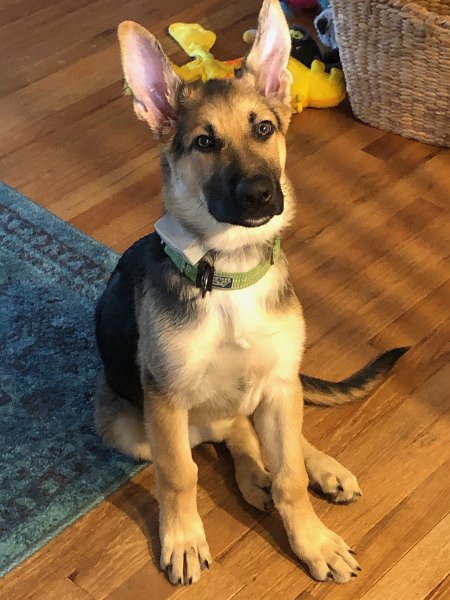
x=187, y=362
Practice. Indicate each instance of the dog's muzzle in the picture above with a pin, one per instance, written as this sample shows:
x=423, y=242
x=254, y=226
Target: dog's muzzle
x=250, y=200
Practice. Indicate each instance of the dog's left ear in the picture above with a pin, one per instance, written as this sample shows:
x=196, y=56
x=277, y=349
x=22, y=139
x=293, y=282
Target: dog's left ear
x=269, y=55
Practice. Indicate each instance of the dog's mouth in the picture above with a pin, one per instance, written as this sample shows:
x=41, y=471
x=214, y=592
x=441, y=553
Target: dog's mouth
x=249, y=218
x=257, y=221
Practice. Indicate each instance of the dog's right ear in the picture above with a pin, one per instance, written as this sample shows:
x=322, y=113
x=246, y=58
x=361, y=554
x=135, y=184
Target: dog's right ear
x=149, y=75
x=269, y=55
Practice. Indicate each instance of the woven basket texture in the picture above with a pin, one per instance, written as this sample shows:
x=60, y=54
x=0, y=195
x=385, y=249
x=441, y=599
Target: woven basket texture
x=396, y=59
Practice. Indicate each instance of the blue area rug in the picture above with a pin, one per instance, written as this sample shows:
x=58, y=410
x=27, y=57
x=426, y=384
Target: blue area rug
x=53, y=467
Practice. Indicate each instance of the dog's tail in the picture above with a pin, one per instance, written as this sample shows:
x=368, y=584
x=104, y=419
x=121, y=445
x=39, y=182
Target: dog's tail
x=357, y=386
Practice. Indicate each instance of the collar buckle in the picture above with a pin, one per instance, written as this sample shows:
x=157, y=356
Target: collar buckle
x=205, y=276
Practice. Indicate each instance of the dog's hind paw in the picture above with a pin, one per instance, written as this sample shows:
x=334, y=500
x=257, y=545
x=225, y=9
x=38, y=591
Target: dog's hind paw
x=254, y=483
x=333, y=480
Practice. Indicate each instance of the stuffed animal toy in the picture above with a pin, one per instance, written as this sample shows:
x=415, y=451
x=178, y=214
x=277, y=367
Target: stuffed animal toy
x=324, y=24
x=197, y=43
x=305, y=49
x=310, y=86
x=314, y=87
x=303, y=46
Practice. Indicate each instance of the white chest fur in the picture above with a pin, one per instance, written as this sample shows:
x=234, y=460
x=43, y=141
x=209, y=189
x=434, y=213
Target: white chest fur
x=236, y=349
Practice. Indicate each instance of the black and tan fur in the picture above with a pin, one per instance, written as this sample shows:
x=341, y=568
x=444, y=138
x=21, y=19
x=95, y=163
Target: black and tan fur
x=180, y=369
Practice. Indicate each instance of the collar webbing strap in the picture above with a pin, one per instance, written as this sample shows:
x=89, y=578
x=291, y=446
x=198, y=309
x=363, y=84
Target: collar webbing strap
x=205, y=277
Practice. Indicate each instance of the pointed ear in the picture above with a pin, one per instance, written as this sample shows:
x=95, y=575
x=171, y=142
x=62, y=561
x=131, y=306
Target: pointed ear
x=149, y=75
x=269, y=55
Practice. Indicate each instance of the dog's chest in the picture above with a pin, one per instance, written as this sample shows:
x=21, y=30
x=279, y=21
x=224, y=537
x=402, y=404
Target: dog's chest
x=228, y=353
x=236, y=346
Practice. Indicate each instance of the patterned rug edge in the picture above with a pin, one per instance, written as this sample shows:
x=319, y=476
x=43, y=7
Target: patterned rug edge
x=67, y=233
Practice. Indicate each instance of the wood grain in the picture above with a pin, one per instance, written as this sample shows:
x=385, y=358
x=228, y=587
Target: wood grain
x=369, y=257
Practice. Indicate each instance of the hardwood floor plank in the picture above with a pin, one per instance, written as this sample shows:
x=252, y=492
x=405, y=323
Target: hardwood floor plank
x=62, y=589
x=415, y=576
x=441, y=591
x=417, y=321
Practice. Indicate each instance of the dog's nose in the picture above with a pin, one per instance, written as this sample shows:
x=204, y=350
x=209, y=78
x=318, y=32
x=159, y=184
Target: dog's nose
x=254, y=191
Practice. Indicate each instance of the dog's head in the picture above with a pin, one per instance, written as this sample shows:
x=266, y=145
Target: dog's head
x=223, y=141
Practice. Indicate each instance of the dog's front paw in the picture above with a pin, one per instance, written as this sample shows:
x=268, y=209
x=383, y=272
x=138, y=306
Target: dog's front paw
x=333, y=480
x=324, y=552
x=184, y=550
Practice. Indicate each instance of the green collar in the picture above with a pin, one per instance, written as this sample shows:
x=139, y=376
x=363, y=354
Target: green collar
x=205, y=277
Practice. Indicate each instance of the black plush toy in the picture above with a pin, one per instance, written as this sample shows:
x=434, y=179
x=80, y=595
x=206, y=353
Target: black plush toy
x=305, y=49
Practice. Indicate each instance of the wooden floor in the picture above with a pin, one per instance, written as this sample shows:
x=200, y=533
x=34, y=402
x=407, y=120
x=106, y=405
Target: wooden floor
x=369, y=260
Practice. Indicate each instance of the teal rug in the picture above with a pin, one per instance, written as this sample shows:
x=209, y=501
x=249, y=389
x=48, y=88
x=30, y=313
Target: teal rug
x=53, y=467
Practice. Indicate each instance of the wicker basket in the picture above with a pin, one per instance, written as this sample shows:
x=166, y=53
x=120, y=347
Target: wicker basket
x=396, y=59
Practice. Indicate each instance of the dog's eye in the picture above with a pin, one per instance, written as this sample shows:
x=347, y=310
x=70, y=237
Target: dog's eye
x=264, y=129
x=203, y=142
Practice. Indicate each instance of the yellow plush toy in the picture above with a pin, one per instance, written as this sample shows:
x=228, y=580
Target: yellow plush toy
x=310, y=86
x=197, y=43
x=314, y=87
